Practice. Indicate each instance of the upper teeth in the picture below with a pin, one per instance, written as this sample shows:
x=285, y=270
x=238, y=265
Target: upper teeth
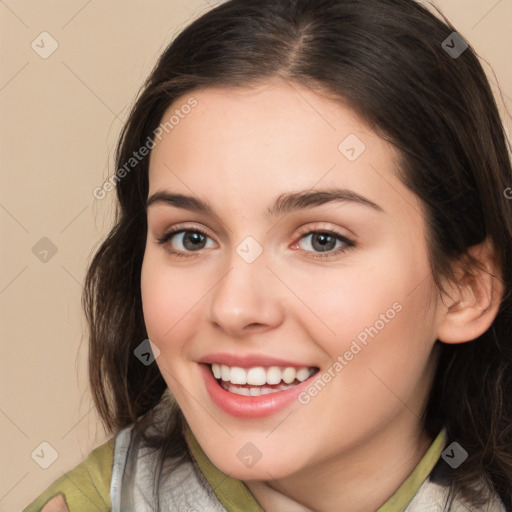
x=258, y=376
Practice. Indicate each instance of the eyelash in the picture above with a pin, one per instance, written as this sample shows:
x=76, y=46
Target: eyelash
x=349, y=244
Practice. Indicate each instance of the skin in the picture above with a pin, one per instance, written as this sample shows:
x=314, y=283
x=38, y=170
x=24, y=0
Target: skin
x=354, y=443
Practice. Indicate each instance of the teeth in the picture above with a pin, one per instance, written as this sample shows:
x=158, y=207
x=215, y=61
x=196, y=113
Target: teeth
x=289, y=375
x=254, y=391
x=224, y=372
x=239, y=391
x=302, y=374
x=273, y=375
x=259, y=376
x=238, y=375
x=216, y=371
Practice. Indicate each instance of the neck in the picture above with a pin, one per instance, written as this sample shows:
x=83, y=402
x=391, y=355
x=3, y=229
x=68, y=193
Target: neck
x=360, y=479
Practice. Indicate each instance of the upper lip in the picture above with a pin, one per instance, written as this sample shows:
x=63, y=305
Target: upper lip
x=249, y=360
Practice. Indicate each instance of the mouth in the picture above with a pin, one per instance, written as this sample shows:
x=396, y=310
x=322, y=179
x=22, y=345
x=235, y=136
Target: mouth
x=260, y=380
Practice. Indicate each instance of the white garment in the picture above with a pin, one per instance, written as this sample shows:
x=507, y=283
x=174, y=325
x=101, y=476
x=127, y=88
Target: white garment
x=431, y=498
x=131, y=488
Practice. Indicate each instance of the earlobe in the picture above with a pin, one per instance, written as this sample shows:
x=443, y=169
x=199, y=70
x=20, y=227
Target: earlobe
x=474, y=301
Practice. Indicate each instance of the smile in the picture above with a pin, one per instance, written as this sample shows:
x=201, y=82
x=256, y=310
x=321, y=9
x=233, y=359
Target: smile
x=259, y=380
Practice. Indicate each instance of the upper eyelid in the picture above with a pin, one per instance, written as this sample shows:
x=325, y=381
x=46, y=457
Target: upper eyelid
x=183, y=226
x=178, y=228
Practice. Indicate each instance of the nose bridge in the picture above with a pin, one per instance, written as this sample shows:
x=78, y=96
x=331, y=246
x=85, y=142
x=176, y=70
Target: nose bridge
x=247, y=293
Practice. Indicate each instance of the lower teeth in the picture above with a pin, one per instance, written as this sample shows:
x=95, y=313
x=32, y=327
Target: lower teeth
x=255, y=390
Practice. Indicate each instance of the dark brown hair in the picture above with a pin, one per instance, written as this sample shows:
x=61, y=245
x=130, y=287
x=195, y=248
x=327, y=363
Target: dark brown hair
x=386, y=60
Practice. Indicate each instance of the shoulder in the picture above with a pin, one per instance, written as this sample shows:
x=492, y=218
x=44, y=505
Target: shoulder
x=84, y=487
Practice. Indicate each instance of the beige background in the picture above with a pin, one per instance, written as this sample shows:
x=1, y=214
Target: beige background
x=60, y=119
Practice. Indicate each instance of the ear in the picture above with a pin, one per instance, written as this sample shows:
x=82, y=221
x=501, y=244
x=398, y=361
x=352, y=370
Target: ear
x=472, y=303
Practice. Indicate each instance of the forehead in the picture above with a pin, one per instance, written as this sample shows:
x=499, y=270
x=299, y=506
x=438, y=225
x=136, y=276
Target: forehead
x=256, y=141
x=261, y=110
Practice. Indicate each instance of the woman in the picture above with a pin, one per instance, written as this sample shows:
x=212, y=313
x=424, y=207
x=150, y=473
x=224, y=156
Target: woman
x=315, y=238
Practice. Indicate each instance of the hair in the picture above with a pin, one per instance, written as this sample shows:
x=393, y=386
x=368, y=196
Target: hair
x=385, y=60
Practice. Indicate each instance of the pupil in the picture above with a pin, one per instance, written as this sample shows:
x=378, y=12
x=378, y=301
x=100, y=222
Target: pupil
x=194, y=238
x=324, y=239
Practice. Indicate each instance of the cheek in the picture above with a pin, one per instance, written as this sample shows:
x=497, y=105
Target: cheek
x=379, y=315
x=386, y=350
x=343, y=302
x=168, y=302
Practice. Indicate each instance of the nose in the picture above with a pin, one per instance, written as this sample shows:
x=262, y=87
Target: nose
x=247, y=299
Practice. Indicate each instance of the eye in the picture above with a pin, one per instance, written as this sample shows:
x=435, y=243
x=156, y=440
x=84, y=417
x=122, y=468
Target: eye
x=325, y=243
x=182, y=241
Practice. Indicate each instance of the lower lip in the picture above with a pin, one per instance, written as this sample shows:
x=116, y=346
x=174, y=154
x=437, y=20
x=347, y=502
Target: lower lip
x=243, y=406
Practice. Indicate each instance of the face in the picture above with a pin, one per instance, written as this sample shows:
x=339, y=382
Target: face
x=283, y=250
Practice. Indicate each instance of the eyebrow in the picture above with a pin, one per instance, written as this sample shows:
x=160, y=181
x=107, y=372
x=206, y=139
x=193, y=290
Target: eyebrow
x=285, y=203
